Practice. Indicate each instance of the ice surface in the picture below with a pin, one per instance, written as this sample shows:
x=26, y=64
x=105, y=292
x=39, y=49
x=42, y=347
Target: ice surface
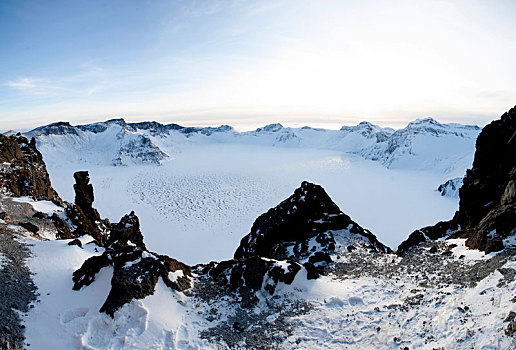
x=197, y=206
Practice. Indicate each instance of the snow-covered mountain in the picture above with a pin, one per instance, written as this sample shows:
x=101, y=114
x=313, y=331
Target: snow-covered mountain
x=112, y=142
x=424, y=144
x=427, y=144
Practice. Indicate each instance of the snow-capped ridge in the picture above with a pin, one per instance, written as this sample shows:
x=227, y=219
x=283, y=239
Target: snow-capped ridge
x=423, y=144
x=270, y=128
x=426, y=144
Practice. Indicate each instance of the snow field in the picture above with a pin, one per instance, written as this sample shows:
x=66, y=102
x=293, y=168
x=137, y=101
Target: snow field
x=68, y=319
x=197, y=206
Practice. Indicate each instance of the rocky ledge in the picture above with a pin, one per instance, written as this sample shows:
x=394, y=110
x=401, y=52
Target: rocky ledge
x=304, y=223
x=302, y=233
x=22, y=170
x=487, y=207
x=135, y=269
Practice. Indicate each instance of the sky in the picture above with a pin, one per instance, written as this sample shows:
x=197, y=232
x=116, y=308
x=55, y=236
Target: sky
x=249, y=63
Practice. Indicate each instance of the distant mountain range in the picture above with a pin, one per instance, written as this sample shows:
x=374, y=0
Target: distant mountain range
x=423, y=144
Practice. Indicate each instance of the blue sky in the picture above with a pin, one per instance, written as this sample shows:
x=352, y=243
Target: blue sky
x=318, y=63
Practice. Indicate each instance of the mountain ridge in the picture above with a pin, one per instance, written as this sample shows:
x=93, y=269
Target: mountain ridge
x=418, y=146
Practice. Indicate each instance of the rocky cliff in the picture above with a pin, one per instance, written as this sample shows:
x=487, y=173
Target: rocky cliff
x=22, y=170
x=487, y=207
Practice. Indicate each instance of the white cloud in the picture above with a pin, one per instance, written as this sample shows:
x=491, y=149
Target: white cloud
x=83, y=83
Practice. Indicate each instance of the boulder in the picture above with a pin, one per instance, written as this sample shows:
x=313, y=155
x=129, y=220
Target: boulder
x=29, y=227
x=252, y=274
x=305, y=220
x=76, y=242
x=135, y=270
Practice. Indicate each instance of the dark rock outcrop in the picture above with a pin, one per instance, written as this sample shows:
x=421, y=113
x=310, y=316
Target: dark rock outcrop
x=440, y=230
x=252, y=274
x=307, y=218
x=135, y=270
x=29, y=227
x=83, y=216
x=63, y=231
x=22, y=170
x=127, y=231
x=76, y=242
x=298, y=234
x=487, y=207
x=4, y=216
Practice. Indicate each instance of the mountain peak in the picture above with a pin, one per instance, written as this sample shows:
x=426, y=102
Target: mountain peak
x=271, y=128
x=424, y=121
x=308, y=214
x=118, y=121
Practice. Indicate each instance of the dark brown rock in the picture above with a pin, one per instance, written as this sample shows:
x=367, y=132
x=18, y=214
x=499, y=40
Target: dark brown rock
x=127, y=230
x=82, y=214
x=135, y=270
x=39, y=215
x=249, y=274
x=308, y=214
x=487, y=206
x=511, y=328
x=4, y=216
x=76, y=242
x=320, y=257
x=22, y=170
x=313, y=272
x=487, y=199
x=29, y=227
x=85, y=275
x=441, y=229
x=62, y=229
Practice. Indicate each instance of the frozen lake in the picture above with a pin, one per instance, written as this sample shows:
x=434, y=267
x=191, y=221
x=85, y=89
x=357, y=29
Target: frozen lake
x=197, y=206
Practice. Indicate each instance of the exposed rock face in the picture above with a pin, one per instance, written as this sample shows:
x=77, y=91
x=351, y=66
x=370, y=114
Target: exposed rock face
x=250, y=275
x=299, y=226
x=487, y=207
x=127, y=231
x=136, y=270
x=63, y=231
x=299, y=234
x=141, y=148
x=487, y=211
x=441, y=229
x=22, y=170
x=82, y=214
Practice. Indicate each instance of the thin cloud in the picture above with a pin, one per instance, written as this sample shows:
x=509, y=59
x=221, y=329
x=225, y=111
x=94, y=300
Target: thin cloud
x=84, y=83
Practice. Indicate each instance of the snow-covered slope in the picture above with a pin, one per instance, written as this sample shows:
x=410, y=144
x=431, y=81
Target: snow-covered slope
x=423, y=145
x=440, y=295
x=111, y=142
x=426, y=144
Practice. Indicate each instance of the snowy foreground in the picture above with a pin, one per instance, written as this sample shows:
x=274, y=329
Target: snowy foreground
x=197, y=193
x=387, y=308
